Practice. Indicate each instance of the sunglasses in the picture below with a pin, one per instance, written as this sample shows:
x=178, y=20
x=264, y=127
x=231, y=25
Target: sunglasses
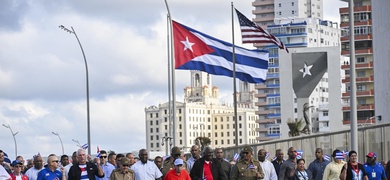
x=17, y=166
x=56, y=161
x=101, y=157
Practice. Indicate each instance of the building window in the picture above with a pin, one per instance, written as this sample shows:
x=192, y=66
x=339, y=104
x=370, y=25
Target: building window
x=151, y=130
x=151, y=115
x=180, y=126
x=216, y=134
x=325, y=113
x=239, y=125
x=151, y=123
x=165, y=119
x=156, y=115
x=157, y=137
x=209, y=127
x=292, y=12
x=215, y=127
x=292, y=3
x=156, y=122
x=280, y=4
x=156, y=130
x=165, y=111
x=240, y=133
x=280, y=13
x=228, y=134
x=228, y=141
x=157, y=144
x=360, y=59
x=179, y=111
x=221, y=134
x=181, y=142
x=180, y=134
x=151, y=145
x=221, y=126
x=216, y=142
x=151, y=137
x=361, y=73
x=221, y=142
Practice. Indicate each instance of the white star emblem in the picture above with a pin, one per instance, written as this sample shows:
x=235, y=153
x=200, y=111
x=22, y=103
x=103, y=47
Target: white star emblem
x=306, y=70
x=187, y=44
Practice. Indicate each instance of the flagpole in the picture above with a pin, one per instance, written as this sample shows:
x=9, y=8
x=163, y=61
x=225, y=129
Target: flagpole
x=173, y=78
x=352, y=105
x=169, y=82
x=234, y=80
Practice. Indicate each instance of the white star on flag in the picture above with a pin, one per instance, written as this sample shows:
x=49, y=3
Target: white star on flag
x=305, y=70
x=187, y=44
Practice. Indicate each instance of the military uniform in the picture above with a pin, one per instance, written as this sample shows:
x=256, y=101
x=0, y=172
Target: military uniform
x=244, y=170
x=118, y=174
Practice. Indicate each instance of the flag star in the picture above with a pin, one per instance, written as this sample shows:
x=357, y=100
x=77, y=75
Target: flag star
x=305, y=70
x=187, y=44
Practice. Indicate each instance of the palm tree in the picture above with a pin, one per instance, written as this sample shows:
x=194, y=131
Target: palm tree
x=295, y=127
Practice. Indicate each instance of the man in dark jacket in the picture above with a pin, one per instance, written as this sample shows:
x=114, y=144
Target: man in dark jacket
x=207, y=166
x=83, y=169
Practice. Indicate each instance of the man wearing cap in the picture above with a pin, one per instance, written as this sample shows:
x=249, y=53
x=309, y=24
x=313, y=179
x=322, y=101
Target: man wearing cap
x=177, y=173
x=107, y=167
x=51, y=172
x=17, y=171
x=317, y=167
x=333, y=169
x=168, y=163
x=288, y=165
x=123, y=173
x=375, y=171
x=248, y=167
x=207, y=167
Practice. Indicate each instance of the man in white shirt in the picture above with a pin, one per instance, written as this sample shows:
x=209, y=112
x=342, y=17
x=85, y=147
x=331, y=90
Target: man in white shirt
x=32, y=173
x=268, y=167
x=144, y=169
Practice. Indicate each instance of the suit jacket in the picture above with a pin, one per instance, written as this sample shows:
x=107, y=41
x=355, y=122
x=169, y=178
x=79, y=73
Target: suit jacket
x=216, y=170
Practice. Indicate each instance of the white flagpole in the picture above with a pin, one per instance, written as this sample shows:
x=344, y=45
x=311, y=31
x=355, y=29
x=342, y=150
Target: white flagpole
x=173, y=130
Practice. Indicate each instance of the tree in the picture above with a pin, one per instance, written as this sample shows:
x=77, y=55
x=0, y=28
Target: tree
x=202, y=142
x=295, y=127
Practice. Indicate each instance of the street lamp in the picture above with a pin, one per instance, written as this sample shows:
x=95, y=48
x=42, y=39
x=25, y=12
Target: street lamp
x=166, y=139
x=62, y=145
x=13, y=134
x=77, y=142
x=87, y=82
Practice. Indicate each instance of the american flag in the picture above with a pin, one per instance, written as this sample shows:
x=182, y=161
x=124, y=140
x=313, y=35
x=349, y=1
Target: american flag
x=236, y=156
x=85, y=146
x=326, y=157
x=252, y=33
x=299, y=154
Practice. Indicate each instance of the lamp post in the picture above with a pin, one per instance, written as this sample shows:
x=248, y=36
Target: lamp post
x=166, y=139
x=77, y=142
x=87, y=83
x=62, y=145
x=13, y=134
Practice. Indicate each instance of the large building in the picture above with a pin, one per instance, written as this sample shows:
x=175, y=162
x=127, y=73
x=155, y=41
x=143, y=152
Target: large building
x=364, y=62
x=381, y=44
x=295, y=33
x=202, y=115
x=266, y=11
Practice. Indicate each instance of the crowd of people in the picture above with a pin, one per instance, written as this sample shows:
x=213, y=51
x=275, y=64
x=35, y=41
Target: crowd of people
x=206, y=165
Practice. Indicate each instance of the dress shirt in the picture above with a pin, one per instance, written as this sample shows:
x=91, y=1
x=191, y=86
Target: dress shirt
x=269, y=170
x=147, y=171
x=318, y=168
x=333, y=170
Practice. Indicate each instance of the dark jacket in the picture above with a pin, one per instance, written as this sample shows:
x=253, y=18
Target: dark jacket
x=216, y=170
x=75, y=172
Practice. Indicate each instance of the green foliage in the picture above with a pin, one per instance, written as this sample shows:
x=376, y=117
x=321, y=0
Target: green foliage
x=204, y=141
x=295, y=127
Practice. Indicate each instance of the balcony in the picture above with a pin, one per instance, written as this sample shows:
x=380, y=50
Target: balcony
x=262, y=2
x=260, y=103
x=357, y=51
x=263, y=19
x=264, y=138
x=361, y=107
x=261, y=129
x=360, y=93
x=360, y=80
x=265, y=121
x=263, y=11
x=368, y=65
x=357, y=23
x=264, y=112
x=260, y=86
x=355, y=9
x=261, y=95
x=357, y=38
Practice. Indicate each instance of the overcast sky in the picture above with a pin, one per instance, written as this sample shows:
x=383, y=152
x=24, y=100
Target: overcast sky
x=42, y=72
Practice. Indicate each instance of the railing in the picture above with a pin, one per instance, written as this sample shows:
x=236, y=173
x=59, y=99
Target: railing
x=374, y=138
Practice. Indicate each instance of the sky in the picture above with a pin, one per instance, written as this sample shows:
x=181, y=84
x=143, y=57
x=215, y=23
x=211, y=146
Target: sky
x=42, y=70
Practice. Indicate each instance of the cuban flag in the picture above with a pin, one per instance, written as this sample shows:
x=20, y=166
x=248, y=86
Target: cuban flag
x=345, y=153
x=236, y=156
x=326, y=157
x=299, y=154
x=85, y=146
x=340, y=155
x=267, y=155
x=195, y=50
x=98, y=152
x=273, y=159
x=6, y=159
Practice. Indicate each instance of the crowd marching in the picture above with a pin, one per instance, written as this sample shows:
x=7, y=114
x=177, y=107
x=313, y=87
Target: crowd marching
x=206, y=165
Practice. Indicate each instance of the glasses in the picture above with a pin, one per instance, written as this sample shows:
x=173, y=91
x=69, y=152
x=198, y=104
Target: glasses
x=101, y=157
x=56, y=161
x=125, y=165
x=18, y=166
x=177, y=154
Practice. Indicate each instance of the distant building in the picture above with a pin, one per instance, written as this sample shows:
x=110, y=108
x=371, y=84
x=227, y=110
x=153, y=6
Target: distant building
x=202, y=115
